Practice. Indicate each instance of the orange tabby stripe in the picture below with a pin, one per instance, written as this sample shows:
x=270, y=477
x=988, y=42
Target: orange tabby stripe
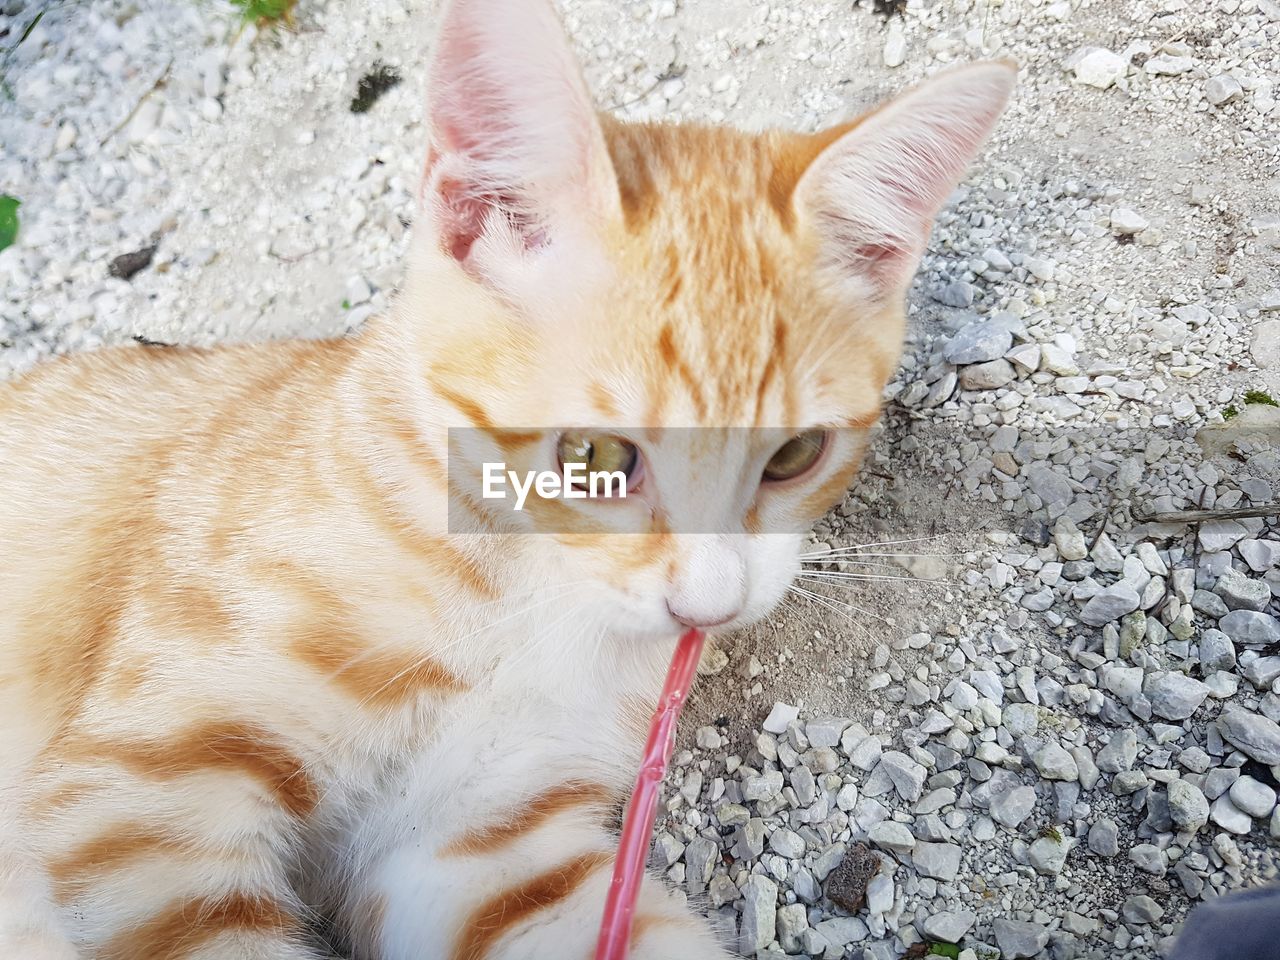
x=110, y=850
x=495, y=917
x=186, y=926
x=536, y=811
x=382, y=678
x=671, y=356
x=220, y=745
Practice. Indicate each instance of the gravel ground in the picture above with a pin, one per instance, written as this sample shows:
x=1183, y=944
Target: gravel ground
x=1062, y=728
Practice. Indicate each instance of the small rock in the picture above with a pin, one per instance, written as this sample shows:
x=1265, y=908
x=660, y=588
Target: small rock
x=889, y=835
x=950, y=925
x=781, y=715
x=1222, y=89
x=1250, y=628
x=789, y=844
x=1174, y=696
x=1239, y=592
x=1110, y=603
x=1230, y=817
x=1217, y=652
x=938, y=860
x=987, y=376
x=1253, y=797
x=1141, y=909
x=1218, y=535
x=1054, y=763
x=1100, y=68
x=846, y=885
x=1149, y=858
x=1104, y=838
x=1019, y=938
x=895, y=45
x=1188, y=807
x=1010, y=807
x=759, y=914
x=1255, y=735
x=1126, y=222
x=1048, y=855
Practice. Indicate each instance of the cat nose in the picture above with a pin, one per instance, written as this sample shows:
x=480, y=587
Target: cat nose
x=699, y=619
x=711, y=587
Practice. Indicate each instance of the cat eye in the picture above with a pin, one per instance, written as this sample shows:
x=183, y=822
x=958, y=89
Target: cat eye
x=795, y=457
x=601, y=453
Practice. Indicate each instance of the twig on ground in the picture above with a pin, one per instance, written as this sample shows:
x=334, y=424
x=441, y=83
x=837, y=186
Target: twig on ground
x=1200, y=516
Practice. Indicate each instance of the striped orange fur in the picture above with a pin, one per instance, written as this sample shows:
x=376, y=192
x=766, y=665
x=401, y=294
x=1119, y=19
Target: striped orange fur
x=269, y=660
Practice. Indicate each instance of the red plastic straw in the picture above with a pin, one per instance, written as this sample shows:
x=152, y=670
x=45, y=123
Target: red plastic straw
x=637, y=829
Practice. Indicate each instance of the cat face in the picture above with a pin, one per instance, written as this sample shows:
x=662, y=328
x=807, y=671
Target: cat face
x=713, y=313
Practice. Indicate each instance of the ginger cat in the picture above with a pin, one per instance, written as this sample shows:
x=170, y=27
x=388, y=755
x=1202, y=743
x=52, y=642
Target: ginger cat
x=250, y=676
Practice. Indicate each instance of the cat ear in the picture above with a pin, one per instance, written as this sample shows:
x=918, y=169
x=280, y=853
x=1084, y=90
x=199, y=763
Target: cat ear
x=874, y=192
x=517, y=162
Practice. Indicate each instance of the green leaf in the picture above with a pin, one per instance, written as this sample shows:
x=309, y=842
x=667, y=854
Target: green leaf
x=30, y=26
x=8, y=220
x=938, y=949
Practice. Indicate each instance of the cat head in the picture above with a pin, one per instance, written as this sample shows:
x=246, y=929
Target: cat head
x=711, y=312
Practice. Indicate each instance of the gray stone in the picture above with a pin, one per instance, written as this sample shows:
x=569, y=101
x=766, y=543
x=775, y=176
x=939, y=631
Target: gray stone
x=907, y=775
x=1124, y=682
x=762, y=787
x=1253, y=797
x=791, y=922
x=863, y=752
x=1010, y=807
x=1097, y=67
x=825, y=731
x=950, y=925
x=1263, y=672
x=1104, y=838
x=1110, y=603
x=1230, y=817
x=1209, y=603
x=1120, y=752
x=1149, y=858
x=938, y=860
x=893, y=836
x=1054, y=763
x=1051, y=487
x=1126, y=222
x=842, y=931
x=1250, y=628
x=987, y=376
x=1260, y=555
x=1048, y=855
x=1216, y=535
x=1255, y=735
x=788, y=843
x=1188, y=807
x=759, y=914
x=1069, y=540
x=978, y=342
x=1239, y=592
x=1222, y=89
x=1141, y=909
x=699, y=857
x=1174, y=696
x=781, y=715
x=748, y=839
x=1021, y=719
x=880, y=893
x=1217, y=652
x=1019, y=939
x=957, y=293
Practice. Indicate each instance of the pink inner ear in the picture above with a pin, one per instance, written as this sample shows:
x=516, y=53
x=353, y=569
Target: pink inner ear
x=463, y=212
